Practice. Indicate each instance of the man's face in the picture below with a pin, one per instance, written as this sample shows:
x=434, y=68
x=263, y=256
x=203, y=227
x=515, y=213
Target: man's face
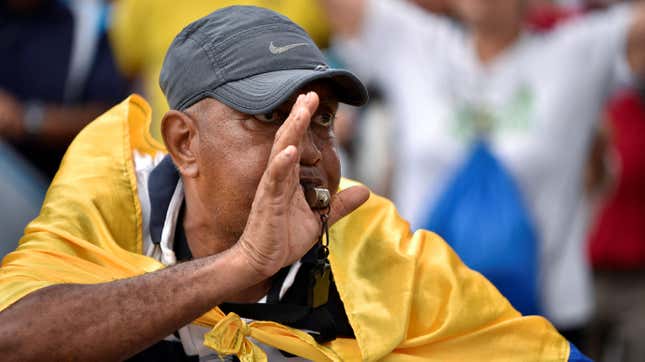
x=488, y=13
x=234, y=149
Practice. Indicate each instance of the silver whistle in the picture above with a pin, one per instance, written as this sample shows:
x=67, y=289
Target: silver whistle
x=317, y=197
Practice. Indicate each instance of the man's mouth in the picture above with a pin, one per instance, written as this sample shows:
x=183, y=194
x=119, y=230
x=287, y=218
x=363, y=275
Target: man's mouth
x=309, y=175
x=315, y=188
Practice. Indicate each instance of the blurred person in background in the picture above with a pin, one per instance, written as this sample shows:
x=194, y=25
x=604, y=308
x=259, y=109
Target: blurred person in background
x=617, y=238
x=524, y=106
x=365, y=136
x=142, y=30
x=59, y=76
x=56, y=75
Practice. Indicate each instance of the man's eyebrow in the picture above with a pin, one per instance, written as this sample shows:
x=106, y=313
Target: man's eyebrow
x=328, y=103
x=331, y=105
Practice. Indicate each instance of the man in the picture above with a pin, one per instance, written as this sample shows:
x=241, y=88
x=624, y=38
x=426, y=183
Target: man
x=532, y=99
x=250, y=126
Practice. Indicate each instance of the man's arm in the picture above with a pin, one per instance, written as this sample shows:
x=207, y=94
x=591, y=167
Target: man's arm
x=53, y=124
x=636, y=42
x=115, y=320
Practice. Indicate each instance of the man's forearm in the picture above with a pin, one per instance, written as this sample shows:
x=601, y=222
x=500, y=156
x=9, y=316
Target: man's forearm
x=636, y=42
x=61, y=124
x=53, y=124
x=112, y=321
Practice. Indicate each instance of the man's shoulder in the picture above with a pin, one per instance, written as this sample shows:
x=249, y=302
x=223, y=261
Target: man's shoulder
x=97, y=177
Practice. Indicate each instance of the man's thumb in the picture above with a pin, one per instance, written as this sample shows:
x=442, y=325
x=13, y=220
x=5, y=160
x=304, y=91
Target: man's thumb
x=347, y=201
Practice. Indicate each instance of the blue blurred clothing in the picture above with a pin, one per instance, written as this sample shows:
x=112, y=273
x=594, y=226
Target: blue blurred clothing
x=576, y=356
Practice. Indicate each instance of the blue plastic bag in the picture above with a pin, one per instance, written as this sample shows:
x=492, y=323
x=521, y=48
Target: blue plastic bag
x=482, y=216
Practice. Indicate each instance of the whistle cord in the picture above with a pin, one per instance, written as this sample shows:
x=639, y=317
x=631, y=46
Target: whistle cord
x=323, y=240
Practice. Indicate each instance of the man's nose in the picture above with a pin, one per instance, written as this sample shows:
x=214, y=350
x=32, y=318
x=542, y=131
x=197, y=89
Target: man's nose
x=311, y=154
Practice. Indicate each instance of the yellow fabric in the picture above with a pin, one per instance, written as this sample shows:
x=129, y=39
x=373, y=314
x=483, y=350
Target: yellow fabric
x=407, y=295
x=229, y=337
x=142, y=30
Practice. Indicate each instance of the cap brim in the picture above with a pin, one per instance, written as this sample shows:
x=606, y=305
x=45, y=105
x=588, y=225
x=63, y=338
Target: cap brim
x=264, y=92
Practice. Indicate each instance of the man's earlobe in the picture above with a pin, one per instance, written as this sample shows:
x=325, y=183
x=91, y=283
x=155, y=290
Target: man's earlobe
x=180, y=134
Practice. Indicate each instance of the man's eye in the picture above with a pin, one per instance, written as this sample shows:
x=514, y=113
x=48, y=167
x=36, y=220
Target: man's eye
x=325, y=119
x=270, y=117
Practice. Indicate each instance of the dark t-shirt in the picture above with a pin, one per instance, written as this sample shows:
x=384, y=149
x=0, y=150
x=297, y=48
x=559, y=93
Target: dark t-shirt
x=35, y=57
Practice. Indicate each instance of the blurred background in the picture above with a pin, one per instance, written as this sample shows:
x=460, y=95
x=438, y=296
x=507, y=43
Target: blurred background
x=512, y=128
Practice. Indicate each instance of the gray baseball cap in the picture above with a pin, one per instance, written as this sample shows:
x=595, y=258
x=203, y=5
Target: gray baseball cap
x=249, y=58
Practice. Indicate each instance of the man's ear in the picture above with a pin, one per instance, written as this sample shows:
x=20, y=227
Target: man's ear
x=180, y=133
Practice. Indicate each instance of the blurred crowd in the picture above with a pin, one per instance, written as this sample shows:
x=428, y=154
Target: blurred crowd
x=512, y=128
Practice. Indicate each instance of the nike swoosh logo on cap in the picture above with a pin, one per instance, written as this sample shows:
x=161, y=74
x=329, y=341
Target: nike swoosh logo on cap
x=279, y=50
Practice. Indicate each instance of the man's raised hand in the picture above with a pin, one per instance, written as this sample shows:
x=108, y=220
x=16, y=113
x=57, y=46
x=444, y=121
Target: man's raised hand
x=281, y=226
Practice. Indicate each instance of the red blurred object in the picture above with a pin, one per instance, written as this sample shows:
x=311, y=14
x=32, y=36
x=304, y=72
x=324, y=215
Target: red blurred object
x=546, y=16
x=618, y=238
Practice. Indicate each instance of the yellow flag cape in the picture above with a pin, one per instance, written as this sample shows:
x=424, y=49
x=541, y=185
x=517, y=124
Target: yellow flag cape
x=408, y=297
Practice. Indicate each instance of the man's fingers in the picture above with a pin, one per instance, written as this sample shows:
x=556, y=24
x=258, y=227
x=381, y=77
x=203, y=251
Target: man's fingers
x=279, y=169
x=347, y=201
x=293, y=129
